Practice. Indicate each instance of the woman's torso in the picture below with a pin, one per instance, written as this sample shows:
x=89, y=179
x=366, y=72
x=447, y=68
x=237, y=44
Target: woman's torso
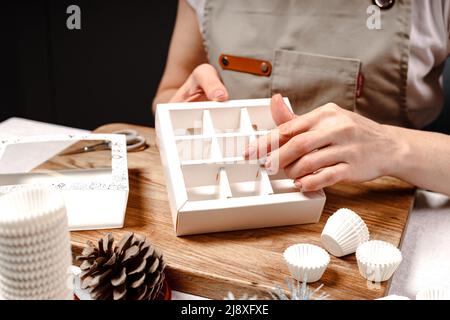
x=323, y=51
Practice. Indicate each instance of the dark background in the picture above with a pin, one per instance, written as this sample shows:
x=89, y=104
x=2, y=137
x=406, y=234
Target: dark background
x=106, y=72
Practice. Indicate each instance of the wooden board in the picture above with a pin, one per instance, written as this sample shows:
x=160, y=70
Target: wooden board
x=249, y=261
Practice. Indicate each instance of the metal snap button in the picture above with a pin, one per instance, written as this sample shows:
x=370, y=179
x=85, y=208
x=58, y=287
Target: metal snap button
x=264, y=67
x=225, y=61
x=384, y=4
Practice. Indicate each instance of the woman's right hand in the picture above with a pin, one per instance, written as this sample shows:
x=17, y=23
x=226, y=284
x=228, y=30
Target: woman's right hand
x=203, y=84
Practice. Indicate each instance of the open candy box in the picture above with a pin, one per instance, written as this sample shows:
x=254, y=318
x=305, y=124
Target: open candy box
x=211, y=187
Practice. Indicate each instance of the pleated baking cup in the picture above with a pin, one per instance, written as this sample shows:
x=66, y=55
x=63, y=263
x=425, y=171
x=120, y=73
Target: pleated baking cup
x=377, y=260
x=306, y=262
x=47, y=282
x=35, y=269
x=434, y=294
x=394, y=297
x=46, y=254
x=31, y=265
x=50, y=281
x=30, y=207
x=36, y=244
x=44, y=281
x=41, y=252
x=59, y=290
x=20, y=248
x=50, y=251
x=344, y=232
x=39, y=227
x=62, y=294
x=46, y=210
x=31, y=254
x=36, y=229
x=35, y=253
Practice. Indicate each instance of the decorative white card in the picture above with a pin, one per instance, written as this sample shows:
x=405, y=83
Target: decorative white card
x=95, y=198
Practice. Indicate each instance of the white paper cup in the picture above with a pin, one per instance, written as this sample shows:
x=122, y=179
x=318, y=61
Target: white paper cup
x=46, y=292
x=20, y=207
x=40, y=228
x=377, y=260
x=344, y=232
x=306, y=262
x=35, y=252
x=36, y=269
x=433, y=294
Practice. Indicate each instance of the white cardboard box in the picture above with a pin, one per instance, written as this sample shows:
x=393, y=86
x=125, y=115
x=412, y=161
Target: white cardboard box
x=211, y=188
x=95, y=198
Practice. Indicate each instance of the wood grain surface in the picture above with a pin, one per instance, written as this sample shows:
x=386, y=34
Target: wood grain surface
x=251, y=261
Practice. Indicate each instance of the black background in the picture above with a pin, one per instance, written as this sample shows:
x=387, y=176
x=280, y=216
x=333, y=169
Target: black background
x=106, y=72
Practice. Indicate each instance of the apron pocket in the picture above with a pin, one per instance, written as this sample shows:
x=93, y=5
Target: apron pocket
x=311, y=80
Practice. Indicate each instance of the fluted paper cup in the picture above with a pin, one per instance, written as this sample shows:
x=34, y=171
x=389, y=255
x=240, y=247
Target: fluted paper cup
x=47, y=291
x=35, y=253
x=344, y=232
x=306, y=262
x=434, y=294
x=30, y=212
x=35, y=243
x=377, y=260
x=31, y=233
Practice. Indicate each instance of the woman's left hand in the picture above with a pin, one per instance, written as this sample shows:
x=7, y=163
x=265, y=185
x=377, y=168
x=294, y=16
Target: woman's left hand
x=326, y=146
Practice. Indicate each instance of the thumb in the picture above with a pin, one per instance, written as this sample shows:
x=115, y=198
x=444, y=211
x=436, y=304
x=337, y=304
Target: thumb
x=206, y=78
x=280, y=111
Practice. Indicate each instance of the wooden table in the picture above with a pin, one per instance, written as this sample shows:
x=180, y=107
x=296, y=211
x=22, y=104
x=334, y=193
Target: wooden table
x=248, y=261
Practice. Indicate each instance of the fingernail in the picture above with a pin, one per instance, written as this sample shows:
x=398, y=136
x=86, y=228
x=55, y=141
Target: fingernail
x=281, y=103
x=279, y=98
x=218, y=94
x=268, y=166
x=298, y=184
x=250, y=151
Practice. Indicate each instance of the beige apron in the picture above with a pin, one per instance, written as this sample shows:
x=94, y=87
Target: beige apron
x=321, y=51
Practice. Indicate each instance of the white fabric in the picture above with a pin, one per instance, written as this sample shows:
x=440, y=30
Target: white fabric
x=429, y=45
x=429, y=48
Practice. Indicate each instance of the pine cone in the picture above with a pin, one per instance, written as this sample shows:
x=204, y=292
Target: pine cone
x=133, y=270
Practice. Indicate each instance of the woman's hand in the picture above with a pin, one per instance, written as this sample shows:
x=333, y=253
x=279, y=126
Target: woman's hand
x=187, y=75
x=203, y=84
x=326, y=146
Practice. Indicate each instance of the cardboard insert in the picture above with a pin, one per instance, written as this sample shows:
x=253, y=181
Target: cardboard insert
x=211, y=187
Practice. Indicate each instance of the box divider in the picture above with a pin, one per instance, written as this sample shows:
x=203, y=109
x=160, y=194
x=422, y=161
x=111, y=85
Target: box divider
x=264, y=184
x=224, y=184
x=245, y=124
x=208, y=129
x=207, y=124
